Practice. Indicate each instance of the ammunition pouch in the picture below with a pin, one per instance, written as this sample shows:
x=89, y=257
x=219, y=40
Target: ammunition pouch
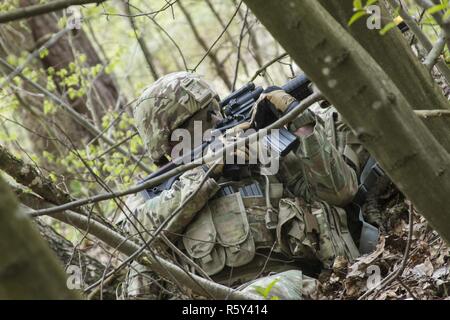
x=231, y=228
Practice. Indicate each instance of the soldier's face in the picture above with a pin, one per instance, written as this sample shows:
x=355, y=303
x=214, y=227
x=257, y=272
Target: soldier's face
x=205, y=119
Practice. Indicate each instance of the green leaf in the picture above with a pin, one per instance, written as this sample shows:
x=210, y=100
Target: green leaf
x=371, y=2
x=49, y=107
x=43, y=53
x=270, y=286
x=357, y=5
x=53, y=177
x=436, y=8
x=265, y=291
x=358, y=15
x=387, y=27
x=260, y=290
x=82, y=58
x=446, y=15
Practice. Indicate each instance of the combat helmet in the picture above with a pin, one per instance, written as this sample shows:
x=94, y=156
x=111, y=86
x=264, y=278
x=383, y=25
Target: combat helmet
x=165, y=105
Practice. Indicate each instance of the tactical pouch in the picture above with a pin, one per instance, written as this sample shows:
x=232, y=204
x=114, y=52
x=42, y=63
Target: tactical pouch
x=233, y=230
x=220, y=235
x=335, y=238
x=295, y=232
x=256, y=215
x=199, y=241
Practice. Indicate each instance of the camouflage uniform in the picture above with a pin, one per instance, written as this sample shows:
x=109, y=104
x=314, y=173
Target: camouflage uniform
x=238, y=231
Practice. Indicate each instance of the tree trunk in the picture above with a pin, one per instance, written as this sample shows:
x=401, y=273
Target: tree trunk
x=101, y=94
x=104, y=94
x=394, y=55
x=28, y=269
x=91, y=269
x=18, y=38
x=369, y=101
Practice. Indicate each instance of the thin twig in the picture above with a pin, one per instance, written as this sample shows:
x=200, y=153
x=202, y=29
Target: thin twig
x=268, y=64
x=155, y=263
x=149, y=242
x=148, y=56
x=423, y=39
x=167, y=35
x=182, y=168
x=76, y=116
x=238, y=56
x=164, y=8
x=208, y=52
x=38, y=9
x=439, y=17
x=116, y=145
x=53, y=39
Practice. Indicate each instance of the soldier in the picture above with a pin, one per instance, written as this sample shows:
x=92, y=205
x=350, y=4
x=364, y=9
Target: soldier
x=262, y=229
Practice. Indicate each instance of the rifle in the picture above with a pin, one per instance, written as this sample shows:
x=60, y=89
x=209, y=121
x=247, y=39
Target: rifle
x=237, y=108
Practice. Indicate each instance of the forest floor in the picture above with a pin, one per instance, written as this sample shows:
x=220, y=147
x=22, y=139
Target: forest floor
x=422, y=272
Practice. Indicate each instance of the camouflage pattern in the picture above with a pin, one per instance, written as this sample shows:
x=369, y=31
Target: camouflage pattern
x=153, y=212
x=165, y=105
x=297, y=215
x=324, y=173
x=139, y=284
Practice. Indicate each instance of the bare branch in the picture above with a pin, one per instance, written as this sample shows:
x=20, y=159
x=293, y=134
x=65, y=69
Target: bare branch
x=439, y=17
x=200, y=40
x=182, y=168
x=266, y=65
x=152, y=18
x=432, y=113
x=38, y=9
x=434, y=54
x=219, y=68
x=142, y=14
x=29, y=176
x=423, y=39
x=152, y=261
x=218, y=17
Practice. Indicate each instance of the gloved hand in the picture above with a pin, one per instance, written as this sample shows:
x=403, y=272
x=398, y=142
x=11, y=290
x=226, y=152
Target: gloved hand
x=271, y=105
x=215, y=161
x=239, y=154
x=278, y=98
